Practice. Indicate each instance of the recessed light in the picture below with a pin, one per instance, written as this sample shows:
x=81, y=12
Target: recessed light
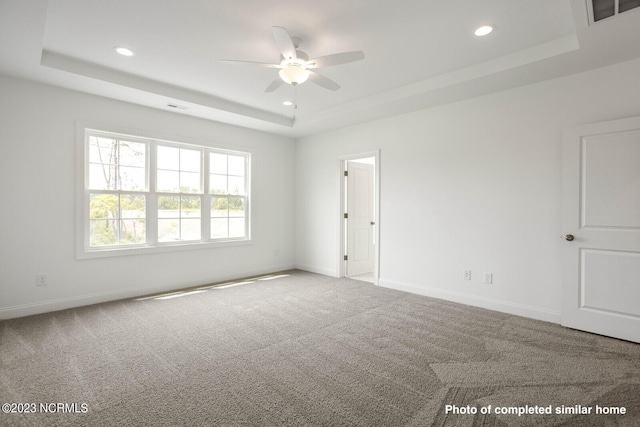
x=484, y=30
x=124, y=51
x=287, y=103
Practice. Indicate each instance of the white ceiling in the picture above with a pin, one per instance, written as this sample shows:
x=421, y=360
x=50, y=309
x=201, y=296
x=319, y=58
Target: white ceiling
x=418, y=53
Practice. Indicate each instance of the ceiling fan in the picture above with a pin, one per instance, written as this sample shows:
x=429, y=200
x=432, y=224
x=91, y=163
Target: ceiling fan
x=295, y=66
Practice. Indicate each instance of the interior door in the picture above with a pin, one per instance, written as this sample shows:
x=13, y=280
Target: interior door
x=601, y=222
x=360, y=220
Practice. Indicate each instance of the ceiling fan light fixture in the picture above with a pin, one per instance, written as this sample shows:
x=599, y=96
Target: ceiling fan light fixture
x=294, y=74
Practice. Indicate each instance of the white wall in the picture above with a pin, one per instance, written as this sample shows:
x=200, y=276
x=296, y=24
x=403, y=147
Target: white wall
x=471, y=185
x=37, y=216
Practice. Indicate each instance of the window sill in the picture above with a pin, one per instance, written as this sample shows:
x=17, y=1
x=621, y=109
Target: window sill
x=161, y=248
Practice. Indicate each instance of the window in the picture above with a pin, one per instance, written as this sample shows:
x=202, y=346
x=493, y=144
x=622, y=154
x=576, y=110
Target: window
x=143, y=194
x=602, y=9
x=177, y=178
x=228, y=195
x=117, y=191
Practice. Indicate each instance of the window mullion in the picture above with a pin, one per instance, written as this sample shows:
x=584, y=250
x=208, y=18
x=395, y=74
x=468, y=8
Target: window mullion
x=116, y=168
x=247, y=198
x=205, y=211
x=118, y=219
x=246, y=215
x=179, y=195
x=152, y=200
x=86, y=199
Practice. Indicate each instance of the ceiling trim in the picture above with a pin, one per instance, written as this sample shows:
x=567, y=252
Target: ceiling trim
x=468, y=74
x=95, y=71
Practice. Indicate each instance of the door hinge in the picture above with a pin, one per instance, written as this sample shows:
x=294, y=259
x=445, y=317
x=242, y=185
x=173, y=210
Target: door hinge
x=346, y=173
x=346, y=215
x=346, y=258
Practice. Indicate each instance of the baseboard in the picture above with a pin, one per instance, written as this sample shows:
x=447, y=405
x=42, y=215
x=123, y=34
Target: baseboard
x=317, y=270
x=58, y=304
x=476, y=301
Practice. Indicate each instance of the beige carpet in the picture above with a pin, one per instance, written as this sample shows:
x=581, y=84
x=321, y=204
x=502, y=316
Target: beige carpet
x=306, y=349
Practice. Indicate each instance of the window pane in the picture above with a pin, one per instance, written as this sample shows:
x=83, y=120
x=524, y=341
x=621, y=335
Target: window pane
x=133, y=153
x=603, y=9
x=236, y=165
x=219, y=207
x=103, y=206
x=218, y=163
x=625, y=5
x=132, y=231
x=168, y=157
x=190, y=229
x=169, y=207
x=132, y=206
x=102, y=177
x=236, y=185
x=168, y=181
x=117, y=165
x=219, y=228
x=179, y=218
x=168, y=230
x=106, y=226
x=190, y=160
x=190, y=207
x=236, y=227
x=236, y=207
x=218, y=184
x=190, y=182
x=132, y=178
x=102, y=150
x=102, y=232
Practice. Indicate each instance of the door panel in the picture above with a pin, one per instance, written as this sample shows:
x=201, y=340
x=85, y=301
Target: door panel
x=360, y=203
x=603, y=287
x=601, y=208
x=362, y=245
x=611, y=184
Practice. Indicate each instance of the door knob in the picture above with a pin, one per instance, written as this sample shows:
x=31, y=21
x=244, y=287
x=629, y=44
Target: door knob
x=569, y=237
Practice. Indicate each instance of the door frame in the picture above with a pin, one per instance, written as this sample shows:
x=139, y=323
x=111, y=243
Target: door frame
x=342, y=163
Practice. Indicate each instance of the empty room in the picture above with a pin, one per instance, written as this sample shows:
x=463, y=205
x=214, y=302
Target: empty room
x=320, y=213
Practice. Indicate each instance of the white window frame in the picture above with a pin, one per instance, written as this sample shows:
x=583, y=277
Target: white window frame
x=152, y=245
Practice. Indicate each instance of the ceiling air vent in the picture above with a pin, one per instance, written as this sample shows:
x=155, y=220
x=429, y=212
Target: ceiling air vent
x=177, y=106
x=602, y=9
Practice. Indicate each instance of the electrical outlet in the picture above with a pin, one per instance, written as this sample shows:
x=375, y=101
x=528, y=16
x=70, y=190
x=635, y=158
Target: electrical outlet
x=41, y=279
x=488, y=278
x=467, y=275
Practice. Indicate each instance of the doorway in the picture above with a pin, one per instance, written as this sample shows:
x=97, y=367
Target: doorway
x=359, y=215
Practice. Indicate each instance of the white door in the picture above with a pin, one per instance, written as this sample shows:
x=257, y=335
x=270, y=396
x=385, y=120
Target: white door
x=360, y=220
x=601, y=211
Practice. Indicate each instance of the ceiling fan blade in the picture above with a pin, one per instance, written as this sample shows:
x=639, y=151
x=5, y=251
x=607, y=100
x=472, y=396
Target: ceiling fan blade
x=261, y=64
x=323, y=81
x=274, y=85
x=284, y=43
x=335, y=59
